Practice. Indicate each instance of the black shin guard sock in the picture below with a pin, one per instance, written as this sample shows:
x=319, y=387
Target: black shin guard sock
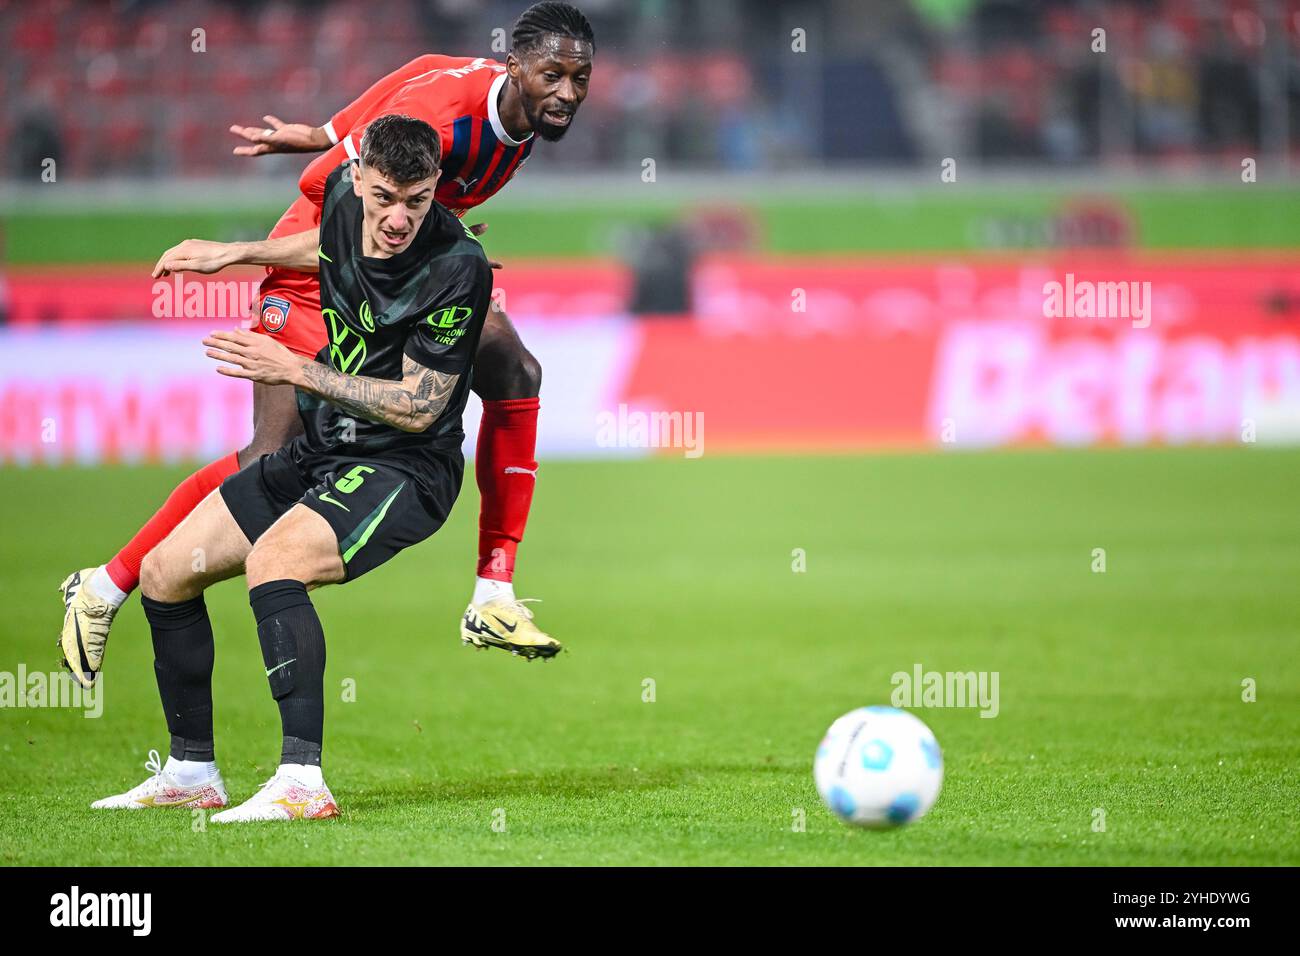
x=183, y=654
x=293, y=647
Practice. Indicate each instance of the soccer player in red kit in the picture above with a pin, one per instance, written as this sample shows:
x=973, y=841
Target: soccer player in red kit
x=487, y=115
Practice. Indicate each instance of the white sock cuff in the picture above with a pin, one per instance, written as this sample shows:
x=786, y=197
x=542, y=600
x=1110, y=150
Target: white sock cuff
x=308, y=774
x=191, y=772
x=103, y=585
x=490, y=589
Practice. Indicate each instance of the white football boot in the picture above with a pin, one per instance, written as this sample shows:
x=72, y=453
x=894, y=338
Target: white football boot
x=283, y=797
x=163, y=790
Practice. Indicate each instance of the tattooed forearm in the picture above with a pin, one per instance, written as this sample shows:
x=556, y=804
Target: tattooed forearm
x=430, y=391
x=413, y=404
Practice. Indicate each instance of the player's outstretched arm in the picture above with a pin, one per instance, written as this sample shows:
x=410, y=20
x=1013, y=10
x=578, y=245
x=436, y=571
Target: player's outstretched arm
x=299, y=251
x=411, y=404
x=278, y=136
x=281, y=137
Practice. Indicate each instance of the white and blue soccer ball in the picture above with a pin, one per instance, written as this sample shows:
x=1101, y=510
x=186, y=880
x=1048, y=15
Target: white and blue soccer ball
x=878, y=767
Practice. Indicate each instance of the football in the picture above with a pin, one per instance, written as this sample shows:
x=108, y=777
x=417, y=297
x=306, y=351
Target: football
x=878, y=767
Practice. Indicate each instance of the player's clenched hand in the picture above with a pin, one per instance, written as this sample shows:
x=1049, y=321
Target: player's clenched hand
x=478, y=229
x=253, y=356
x=197, y=255
x=280, y=137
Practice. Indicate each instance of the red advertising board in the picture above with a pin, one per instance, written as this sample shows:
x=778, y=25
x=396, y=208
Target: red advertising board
x=1077, y=349
x=779, y=354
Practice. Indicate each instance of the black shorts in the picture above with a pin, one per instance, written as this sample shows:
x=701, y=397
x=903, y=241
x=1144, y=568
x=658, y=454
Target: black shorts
x=377, y=505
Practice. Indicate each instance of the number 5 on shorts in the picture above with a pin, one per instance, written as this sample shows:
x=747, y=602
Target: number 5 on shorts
x=353, y=479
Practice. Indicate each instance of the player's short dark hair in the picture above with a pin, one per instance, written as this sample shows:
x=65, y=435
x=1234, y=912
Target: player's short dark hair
x=549, y=18
x=402, y=149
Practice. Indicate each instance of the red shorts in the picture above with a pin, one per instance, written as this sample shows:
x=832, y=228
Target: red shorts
x=289, y=302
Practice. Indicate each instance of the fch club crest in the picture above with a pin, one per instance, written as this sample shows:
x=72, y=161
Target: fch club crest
x=275, y=313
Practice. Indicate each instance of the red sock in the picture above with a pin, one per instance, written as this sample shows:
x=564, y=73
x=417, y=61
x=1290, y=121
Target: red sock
x=124, y=569
x=507, y=473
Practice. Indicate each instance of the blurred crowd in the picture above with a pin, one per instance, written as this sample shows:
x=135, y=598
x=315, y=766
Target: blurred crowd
x=146, y=88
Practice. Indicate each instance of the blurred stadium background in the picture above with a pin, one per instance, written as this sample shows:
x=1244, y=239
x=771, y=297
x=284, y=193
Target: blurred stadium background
x=796, y=214
x=823, y=226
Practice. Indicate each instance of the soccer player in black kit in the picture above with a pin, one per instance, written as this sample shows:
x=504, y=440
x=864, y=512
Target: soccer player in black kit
x=405, y=288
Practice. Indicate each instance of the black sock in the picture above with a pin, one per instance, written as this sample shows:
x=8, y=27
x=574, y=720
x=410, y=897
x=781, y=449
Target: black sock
x=293, y=647
x=183, y=653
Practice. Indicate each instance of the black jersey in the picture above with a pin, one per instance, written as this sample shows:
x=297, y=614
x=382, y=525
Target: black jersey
x=428, y=302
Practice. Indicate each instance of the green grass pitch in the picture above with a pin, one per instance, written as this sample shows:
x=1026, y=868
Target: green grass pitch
x=1119, y=690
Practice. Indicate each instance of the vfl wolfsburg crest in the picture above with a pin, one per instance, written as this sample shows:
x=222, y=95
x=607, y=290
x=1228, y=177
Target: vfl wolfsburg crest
x=347, y=348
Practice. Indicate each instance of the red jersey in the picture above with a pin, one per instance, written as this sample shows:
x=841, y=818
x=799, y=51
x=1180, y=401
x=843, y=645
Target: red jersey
x=457, y=96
